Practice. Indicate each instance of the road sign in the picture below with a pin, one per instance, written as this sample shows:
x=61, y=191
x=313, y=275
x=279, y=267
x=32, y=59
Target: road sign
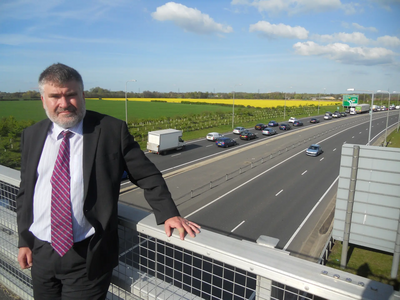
x=350, y=100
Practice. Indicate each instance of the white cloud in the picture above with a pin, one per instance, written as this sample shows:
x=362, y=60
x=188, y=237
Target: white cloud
x=357, y=38
x=279, y=30
x=190, y=19
x=291, y=6
x=360, y=27
x=345, y=54
x=19, y=39
x=388, y=41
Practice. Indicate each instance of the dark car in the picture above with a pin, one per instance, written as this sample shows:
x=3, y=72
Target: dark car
x=343, y=114
x=314, y=120
x=247, y=135
x=314, y=150
x=225, y=142
x=273, y=124
x=284, y=126
x=297, y=123
x=269, y=131
x=260, y=126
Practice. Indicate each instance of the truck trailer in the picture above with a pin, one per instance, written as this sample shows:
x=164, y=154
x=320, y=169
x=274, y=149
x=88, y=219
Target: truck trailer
x=161, y=141
x=359, y=109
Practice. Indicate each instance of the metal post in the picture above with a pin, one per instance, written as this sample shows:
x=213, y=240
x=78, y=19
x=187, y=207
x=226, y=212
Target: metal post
x=370, y=120
x=350, y=204
x=233, y=108
x=126, y=100
x=396, y=255
x=387, y=120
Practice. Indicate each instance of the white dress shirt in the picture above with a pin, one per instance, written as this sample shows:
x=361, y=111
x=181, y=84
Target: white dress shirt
x=41, y=226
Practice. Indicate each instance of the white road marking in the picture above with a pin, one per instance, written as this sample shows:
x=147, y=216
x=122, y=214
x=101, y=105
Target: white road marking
x=176, y=154
x=237, y=226
x=321, y=159
x=209, y=146
x=334, y=149
x=266, y=171
x=304, y=172
x=279, y=192
x=309, y=215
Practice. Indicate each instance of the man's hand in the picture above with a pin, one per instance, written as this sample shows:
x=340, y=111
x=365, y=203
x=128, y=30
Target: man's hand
x=25, y=257
x=182, y=225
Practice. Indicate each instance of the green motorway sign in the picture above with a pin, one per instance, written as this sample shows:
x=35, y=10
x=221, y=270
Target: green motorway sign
x=350, y=100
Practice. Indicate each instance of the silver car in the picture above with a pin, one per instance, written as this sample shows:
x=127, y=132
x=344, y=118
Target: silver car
x=314, y=150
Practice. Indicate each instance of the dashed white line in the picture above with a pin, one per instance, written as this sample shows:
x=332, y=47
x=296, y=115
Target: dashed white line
x=334, y=149
x=279, y=192
x=237, y=226
x=321, y=159
x=176, y=155
x=304, y=172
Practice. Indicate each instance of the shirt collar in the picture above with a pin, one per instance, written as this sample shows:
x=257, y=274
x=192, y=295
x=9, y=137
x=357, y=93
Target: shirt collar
x=56, y=129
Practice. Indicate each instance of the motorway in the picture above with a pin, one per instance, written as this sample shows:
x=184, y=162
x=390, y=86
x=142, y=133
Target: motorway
x=287, y=196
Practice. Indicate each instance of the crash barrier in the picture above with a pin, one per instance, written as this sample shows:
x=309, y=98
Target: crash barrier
x=210, y=266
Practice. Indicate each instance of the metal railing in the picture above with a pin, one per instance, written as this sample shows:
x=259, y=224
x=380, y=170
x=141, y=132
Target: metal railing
x=210, y=266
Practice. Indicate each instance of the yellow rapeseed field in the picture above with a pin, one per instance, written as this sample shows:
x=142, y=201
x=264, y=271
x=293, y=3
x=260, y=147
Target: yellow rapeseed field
x=245, y=102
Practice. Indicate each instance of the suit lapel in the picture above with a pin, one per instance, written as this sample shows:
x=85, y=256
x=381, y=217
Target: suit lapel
x=91, y=134
x=36, y=146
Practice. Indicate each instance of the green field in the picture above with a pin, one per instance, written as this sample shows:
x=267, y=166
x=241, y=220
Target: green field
x=33, y=110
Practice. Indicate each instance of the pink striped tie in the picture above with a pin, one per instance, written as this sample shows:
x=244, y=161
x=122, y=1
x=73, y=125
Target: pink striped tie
x=61, y=219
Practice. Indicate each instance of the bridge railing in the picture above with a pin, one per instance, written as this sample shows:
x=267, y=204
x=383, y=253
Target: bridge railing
x=210, y=266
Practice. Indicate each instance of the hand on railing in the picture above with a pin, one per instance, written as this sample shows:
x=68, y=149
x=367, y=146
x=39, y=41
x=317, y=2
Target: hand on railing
x=182, y=225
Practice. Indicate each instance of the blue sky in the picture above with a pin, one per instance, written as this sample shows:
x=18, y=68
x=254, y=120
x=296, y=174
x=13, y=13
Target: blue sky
x=303, y=46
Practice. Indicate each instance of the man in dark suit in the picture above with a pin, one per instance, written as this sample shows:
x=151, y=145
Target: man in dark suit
x=100, y=149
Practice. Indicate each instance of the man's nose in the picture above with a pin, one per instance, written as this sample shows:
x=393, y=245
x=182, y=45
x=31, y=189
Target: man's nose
x=63, y=101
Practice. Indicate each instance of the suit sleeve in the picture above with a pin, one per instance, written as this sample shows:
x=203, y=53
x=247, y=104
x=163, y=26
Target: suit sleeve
x=24, y=216
x=145, y=174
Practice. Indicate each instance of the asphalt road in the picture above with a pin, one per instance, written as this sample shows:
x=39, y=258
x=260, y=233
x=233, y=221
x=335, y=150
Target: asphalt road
x=276, y=197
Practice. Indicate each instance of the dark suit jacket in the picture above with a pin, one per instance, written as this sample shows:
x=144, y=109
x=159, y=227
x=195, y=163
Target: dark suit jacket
x=108, y=150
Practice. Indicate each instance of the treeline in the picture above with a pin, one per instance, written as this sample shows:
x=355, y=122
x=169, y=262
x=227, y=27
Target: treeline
x=98, y=92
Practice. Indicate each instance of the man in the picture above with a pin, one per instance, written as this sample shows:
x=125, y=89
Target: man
x=67, y=214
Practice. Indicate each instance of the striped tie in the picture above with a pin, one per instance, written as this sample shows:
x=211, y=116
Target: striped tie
x=61, y=219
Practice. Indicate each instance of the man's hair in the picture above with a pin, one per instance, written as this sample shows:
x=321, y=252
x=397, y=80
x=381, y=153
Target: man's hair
x=59, y=74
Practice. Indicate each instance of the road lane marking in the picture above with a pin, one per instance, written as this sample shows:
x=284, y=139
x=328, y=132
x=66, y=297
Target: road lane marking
x=273, y=167
x=334, y=149
x=304, y=173
x=176, y=155
x=209, y=146
x=279, y=192
x=237, y=226
x=309, y=215
x=321, y=159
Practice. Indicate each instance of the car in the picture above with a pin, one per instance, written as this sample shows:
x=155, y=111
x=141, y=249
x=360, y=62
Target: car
x=297, y=123
x=273, y=124
x=260, y=126
x=212, y=136
x=327, y=117
x=247, y=135
x=314, y=120
x=284, y=126
x=343, y=114
x=225, y=142
x=328, y=113
x=292, y=120
x=314, y=150
x=336, y=114
x=238, y=130
x=269, y=131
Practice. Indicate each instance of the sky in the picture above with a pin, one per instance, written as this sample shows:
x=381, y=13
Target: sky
x=254, y=46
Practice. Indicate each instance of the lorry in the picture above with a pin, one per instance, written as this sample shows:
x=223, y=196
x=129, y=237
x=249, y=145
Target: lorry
x=161, y=141
x=359, y=109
